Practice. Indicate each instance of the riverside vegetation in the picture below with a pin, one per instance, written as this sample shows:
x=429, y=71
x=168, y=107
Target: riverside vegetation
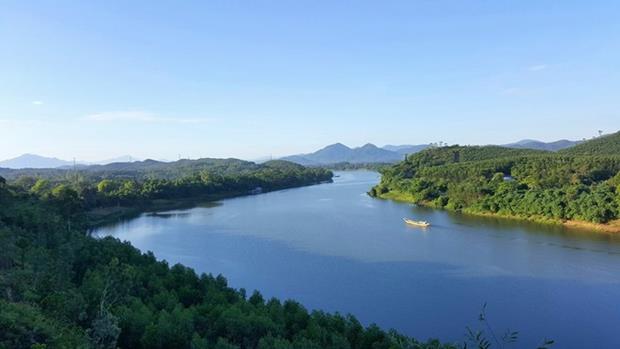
x=124, y=189
x=577, y=186
x=60, y=288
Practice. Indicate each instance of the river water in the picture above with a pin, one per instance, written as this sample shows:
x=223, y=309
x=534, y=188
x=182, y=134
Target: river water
x=332, y=247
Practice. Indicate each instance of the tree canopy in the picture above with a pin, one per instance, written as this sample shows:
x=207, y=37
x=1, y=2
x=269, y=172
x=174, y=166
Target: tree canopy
x=60, y=288
x=511, y=182
x=604, y=145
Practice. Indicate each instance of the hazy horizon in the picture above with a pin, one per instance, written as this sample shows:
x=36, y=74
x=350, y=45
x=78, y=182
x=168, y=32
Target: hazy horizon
x=260, y=158
x=250, y=80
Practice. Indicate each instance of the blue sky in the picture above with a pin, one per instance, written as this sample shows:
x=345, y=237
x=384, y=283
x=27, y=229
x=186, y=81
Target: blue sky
x=98, y=79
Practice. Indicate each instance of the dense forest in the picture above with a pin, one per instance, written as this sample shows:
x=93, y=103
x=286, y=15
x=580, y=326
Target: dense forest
x=581, y=183
x=140, y=184
x=60, y=288
x=604, y=145
x=150, y=169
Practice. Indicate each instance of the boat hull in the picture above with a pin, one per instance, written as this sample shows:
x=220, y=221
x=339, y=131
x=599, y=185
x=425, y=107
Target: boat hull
x=421, y=224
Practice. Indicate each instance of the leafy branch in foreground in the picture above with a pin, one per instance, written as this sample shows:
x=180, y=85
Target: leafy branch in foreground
x=486, y=338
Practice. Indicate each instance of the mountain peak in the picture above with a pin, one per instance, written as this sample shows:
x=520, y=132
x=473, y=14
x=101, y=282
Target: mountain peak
x=337, y=146
x=34, y=161
x=338, y=152
x=29, y=160
x=123, y=158
x=526, y=141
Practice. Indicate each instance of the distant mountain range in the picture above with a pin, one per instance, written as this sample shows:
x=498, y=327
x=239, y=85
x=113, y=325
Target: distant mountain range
x=38, y=161
x=124, y=158
x=538, y=145
x=34, y=161
x=368, y=153
x=151, y=169
x=331, y=154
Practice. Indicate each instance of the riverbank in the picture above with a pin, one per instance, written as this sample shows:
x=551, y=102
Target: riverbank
x=112, y=214
x=612, y=227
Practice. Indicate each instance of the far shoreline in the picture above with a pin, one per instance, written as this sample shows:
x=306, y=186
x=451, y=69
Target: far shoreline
x=102, y=216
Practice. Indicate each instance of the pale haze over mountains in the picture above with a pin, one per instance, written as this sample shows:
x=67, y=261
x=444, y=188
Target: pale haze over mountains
x=331, y=154
x=405, y=149
x=38, y=161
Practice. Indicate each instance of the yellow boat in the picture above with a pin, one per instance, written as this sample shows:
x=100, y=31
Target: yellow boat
x=422, y=224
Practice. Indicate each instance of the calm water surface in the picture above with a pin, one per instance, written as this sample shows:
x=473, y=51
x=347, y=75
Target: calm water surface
x=332, y=247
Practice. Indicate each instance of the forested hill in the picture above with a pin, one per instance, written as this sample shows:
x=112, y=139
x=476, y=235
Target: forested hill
x=140, y=184
x=550, y=146
x=151, y=169
x=450, y=154
x=60, y=288
x=340, y=153
x=605, y=145
x=511, y=182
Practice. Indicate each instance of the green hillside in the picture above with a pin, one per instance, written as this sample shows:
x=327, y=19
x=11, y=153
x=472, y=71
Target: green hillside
x=605, y=145
x=456, y=153
x=126, y=188
x=143, y=169
x=509, y=182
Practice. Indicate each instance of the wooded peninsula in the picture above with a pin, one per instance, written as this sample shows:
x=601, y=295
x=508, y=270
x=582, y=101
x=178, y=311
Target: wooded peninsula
x=578, y=186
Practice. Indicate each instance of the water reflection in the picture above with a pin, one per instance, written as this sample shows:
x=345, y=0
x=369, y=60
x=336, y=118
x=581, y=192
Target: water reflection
x=167, y=214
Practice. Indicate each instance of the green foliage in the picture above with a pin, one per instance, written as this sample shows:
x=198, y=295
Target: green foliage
x=25, y=326
x=512, y=182
x=605, y=145
x=41, y=187
x=60, y=288
x=148, y=169
x=486, y=338
x=104, y=331
x=146, y=182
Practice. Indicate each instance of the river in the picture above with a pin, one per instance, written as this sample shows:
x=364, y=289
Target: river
x=332, y=247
